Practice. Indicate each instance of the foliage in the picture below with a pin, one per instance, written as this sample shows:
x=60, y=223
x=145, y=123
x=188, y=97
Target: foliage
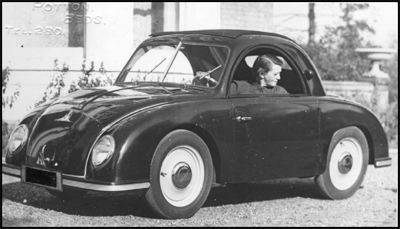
x=6, y=129
x=90, y=79
x=4, y=136
x=336, y=59
x=334, y=54
x=392, y=68
x=390, y=122
x=388, y=118
x=7, y=100
x=53, y=90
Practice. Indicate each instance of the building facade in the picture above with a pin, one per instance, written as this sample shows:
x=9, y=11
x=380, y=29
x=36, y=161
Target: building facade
x=36, y=34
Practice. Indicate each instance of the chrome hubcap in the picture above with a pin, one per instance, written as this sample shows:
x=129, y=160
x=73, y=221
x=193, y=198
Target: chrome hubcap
x=345, y=163
x=181, y=175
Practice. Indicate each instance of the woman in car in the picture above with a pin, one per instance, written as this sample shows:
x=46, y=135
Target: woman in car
x=265, y=74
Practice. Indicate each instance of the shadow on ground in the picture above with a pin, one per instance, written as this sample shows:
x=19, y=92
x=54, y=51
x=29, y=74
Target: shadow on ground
x=133, y=203
x=269, y=190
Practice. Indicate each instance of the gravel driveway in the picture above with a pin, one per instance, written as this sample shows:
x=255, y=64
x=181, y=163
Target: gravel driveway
x=288, y=202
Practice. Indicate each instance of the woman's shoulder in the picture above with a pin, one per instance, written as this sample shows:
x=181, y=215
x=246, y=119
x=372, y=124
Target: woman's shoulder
x=240, y=87
x=280, y=90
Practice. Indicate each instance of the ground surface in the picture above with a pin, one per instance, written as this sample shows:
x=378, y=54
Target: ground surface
x=289, y=202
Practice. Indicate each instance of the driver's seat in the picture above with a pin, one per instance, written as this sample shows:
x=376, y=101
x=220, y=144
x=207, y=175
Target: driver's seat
x=242, y=72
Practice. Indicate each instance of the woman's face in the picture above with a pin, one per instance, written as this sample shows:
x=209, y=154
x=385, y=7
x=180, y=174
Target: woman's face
x=271, y=78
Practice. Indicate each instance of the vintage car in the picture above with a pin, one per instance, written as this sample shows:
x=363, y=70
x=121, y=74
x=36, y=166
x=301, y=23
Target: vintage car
x=167, y=130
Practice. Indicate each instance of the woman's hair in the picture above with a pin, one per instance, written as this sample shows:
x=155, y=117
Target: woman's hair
x=263, y=64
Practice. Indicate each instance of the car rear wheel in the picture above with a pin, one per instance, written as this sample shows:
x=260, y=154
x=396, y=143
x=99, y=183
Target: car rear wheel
x=180, y=175
x=347, y=164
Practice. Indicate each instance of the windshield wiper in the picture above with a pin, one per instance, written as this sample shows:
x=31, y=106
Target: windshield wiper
x=144, y=78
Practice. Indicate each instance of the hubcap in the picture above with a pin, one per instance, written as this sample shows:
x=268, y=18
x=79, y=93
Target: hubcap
x=345, y=164
x=181, y=175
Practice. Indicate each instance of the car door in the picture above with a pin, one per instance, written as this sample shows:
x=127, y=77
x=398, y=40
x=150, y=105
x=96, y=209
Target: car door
x=276, y=136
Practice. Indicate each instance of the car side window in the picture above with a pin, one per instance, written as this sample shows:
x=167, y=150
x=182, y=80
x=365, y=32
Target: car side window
x=244, y=82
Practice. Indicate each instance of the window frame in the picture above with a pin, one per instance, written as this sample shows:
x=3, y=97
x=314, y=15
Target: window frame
x=280, y=52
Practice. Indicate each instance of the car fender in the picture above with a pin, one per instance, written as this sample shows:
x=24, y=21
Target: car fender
x=138, y=135
x=339, y=113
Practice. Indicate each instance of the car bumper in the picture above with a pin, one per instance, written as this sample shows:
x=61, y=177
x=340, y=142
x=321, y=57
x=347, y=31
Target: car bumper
x=80, y=183
x=383, y=162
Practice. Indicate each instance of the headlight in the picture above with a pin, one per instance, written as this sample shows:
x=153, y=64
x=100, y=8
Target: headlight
x=18, y=138
x=102, y=151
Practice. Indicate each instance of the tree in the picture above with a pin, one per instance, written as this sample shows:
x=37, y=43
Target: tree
x=312, y=26
x=335, y=57
x=334, y=54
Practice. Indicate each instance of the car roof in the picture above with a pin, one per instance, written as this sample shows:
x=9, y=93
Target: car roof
x=231, y=33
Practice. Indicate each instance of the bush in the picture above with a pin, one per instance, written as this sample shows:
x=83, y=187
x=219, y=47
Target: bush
x=4, y=136
x=90, y=79
x=336, y=59
x=334, y=54
x=6, y=130
x=53, y=90
x=6, y=101
x=388, y=118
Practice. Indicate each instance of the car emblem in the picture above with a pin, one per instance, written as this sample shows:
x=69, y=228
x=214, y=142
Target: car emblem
x=40, y=159
x=65, y=118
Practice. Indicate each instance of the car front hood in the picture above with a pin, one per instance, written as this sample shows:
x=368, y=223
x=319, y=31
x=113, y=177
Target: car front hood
x=109, y=103
x=64, y=133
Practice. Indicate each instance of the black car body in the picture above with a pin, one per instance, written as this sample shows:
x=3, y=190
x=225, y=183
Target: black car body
x=223, y=137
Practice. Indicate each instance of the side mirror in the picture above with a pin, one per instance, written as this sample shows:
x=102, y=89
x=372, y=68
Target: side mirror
x=309, y=74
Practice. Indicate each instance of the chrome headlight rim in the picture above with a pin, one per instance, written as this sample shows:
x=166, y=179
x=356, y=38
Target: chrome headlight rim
x=15, y=149
x=98, y=164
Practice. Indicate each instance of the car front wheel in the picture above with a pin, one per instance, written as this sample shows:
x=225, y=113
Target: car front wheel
x=347, y=164
x=180, y=175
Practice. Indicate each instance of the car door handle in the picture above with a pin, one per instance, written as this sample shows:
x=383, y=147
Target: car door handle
x=243, y=119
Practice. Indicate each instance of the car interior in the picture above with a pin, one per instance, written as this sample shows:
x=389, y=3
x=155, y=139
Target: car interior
x=290, y=79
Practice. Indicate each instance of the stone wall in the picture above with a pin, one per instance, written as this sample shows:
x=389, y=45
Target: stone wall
x=349, y=89
x=361, y=92
x=247, y=16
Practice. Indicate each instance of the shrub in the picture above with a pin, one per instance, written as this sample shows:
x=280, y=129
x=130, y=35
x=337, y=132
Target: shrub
x=90, y=78
x=6, y=101
x=53, y=90
x=388, y=118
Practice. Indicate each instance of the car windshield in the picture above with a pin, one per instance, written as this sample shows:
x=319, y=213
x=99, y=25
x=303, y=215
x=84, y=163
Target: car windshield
x=178, y=63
